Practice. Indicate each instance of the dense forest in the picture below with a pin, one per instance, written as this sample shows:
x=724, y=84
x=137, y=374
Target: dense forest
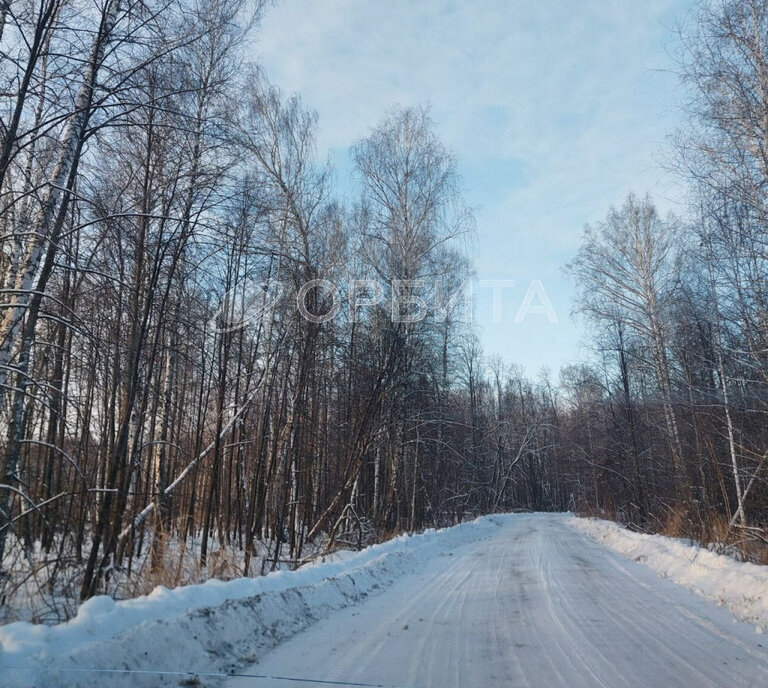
x=211, y=365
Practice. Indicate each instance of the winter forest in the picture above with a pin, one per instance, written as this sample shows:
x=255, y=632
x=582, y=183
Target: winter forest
x=211, y=363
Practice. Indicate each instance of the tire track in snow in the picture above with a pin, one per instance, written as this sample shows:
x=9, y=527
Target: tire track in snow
x=535, y=605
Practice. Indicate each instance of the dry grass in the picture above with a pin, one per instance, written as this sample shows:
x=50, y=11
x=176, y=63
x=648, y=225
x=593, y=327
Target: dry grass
x=181, y=566
x=711, y=530
x=678, y=524
x=714, y=531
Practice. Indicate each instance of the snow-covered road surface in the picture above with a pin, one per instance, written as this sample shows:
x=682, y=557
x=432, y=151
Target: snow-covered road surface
x=537, y=604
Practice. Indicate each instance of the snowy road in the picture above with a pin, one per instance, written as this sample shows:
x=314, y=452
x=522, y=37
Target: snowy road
x=538, y=604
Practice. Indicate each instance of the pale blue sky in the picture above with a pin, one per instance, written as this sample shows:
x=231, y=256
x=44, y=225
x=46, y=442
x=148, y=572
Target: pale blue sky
x=555, y=110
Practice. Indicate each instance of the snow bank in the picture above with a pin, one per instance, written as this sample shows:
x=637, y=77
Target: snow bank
x=740, y=586
x=213, y=627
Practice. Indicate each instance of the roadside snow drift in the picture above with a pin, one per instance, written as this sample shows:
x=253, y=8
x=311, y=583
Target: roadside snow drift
x=740, y=586
x=538, y=605
x=214, y=627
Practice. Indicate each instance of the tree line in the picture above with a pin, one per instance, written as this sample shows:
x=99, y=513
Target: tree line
x=172, y=390
x=672, y=416
x=160, y=398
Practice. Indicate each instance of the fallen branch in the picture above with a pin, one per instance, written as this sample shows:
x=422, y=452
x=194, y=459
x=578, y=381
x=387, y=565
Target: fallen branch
x=147, y=510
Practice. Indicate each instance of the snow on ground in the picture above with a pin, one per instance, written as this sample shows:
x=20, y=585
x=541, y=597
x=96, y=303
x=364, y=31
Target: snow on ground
x=215, y=626
x=520, y=599
x=26, y=574
x=540, y=605
x=740, y=586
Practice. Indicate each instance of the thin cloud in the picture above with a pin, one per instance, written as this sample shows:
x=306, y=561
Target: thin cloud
x=555, y=111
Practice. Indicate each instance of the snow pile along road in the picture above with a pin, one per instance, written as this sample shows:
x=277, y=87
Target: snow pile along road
x=537, y=606
x=214, y=627
x=740, y=586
